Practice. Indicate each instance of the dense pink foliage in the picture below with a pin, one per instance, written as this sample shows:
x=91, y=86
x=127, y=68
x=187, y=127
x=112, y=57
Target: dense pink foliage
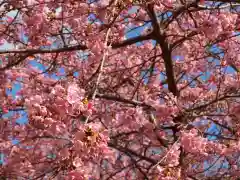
x=159, y=104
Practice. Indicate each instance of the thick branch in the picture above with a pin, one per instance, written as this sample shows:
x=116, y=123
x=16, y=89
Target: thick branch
x=166, y=50
x=131, y=41
x=115, y=45
x=30, y=52
x=43, y=51
x=123, y=100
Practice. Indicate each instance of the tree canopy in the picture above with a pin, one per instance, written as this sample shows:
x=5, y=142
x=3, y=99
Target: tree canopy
x=120, y=89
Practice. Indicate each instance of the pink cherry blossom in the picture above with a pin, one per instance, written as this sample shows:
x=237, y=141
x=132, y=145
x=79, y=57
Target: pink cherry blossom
x=119, y=89
x=74, y=93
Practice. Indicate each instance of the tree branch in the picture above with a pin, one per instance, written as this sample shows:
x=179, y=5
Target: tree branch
x=43, y=51
x=166, y=50
x=123, y=100
x=131, y=152
x=131, y=41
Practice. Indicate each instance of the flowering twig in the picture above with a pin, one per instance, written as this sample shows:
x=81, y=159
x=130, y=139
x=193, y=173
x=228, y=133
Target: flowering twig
x=164, y=157
x=105, y=53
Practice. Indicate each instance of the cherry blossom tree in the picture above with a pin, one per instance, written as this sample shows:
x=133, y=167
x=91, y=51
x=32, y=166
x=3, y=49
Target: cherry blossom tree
x=120, y=89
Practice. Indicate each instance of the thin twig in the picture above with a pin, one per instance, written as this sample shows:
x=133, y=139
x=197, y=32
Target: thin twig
x=105, y=53
x=164, y=157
